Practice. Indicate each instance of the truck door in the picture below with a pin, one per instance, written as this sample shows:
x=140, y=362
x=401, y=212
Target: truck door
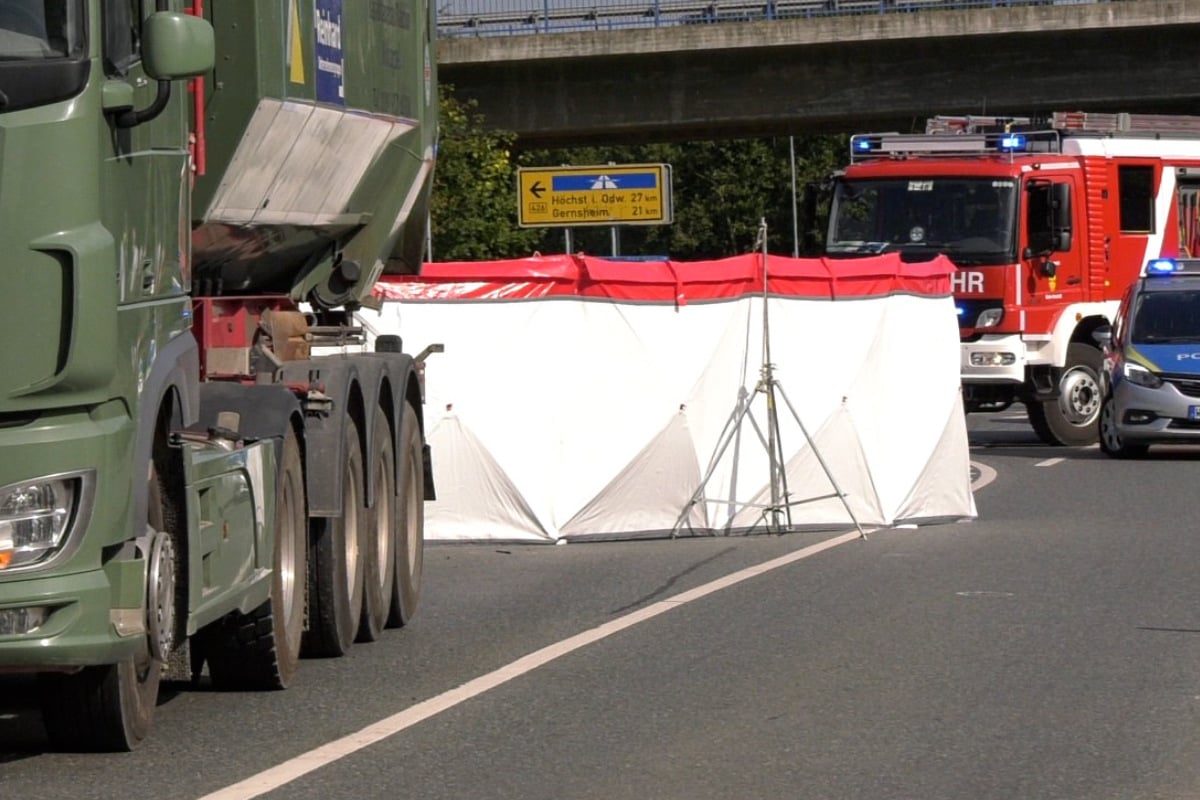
x=146, y=175
x=1052, y=246
x=1188, y=181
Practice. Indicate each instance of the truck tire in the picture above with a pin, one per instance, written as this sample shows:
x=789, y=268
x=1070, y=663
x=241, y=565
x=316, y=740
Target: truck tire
x=110, y=708
x=410, y=526
x=1111, y=443
x=1073, y=418
x=379, y=555
x=101, y=709
x=260, y=650
x=335, y=595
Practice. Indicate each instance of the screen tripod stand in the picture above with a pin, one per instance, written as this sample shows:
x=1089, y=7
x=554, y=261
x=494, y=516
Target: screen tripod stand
x=776, y=514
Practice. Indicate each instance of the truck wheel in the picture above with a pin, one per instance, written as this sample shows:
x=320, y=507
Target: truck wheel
x=410, y=514
x=1111, y=443
x=1072, y=419
x=379, y=559
x=110, y=708
x=335, y=597
x=101, y=709
x=260, y=650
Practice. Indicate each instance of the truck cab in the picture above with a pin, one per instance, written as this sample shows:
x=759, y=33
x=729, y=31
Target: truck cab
x=194, y=197
x=1046, y=219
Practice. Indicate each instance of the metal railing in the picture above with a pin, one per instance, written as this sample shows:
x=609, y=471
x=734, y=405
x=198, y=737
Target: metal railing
x=523, y=17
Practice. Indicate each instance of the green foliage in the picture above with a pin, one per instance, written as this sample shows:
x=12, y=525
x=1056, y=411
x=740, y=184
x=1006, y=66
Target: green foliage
x=722, y=192
x=473, y=210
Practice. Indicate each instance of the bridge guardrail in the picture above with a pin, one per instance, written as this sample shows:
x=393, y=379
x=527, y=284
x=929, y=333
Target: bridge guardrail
x=527, y=17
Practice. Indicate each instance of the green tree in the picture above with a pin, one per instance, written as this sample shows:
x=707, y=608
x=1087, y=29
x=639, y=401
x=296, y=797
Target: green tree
x=721, y=190
x=473, y=212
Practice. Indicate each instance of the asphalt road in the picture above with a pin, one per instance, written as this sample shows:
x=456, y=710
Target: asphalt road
x=1048, y=649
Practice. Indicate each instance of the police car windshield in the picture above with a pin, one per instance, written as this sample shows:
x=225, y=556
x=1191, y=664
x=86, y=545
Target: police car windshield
x=971, y=220
x=1165, y=317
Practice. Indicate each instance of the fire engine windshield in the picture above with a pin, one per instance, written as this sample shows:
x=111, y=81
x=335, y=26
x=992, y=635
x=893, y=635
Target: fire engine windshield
x=39, y=29
x=971, y=220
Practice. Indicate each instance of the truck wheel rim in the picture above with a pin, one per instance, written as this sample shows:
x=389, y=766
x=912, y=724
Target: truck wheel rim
x=350, y=520
x=293, y=609
x=1080, y=397
x=160, y=605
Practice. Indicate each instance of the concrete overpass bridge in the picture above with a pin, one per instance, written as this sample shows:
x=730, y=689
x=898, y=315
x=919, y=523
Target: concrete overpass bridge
x=791, y=75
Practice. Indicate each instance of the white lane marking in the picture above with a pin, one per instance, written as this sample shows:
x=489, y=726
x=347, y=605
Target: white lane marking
x=1050, y=462
x=986, y=476
x=290, y=770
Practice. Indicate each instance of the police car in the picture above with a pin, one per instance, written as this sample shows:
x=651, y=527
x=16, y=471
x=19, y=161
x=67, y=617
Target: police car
x=1151, y=375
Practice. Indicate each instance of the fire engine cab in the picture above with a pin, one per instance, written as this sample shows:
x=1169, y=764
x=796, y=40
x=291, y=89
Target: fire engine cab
x=1048, y=220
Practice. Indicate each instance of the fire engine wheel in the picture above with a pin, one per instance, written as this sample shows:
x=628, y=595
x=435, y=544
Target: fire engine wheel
x=1111, y=443
x=335, y=597
x=1072, y=419
x=410, y=515
x=379, y=567
x=110, y=708
x=260, y=650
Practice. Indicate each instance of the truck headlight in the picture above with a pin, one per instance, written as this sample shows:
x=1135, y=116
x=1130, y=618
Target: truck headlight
x=20, y=621
x=985, y=359
x=989, y=318
x=34, y=519
x=1136, y=373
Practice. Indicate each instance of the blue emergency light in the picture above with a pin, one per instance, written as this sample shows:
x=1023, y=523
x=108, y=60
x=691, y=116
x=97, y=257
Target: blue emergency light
x=862, y=145
x=1162, y=266
x=1172, y=266
x=1011, y=142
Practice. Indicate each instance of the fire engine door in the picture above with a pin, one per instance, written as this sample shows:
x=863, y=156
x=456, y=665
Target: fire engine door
x=1052, y=242
x=1189, y=213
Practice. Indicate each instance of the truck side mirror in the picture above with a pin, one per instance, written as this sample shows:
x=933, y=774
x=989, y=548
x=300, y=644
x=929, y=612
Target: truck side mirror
x=1048, y=220
x=176, y=46
x=1060, y=216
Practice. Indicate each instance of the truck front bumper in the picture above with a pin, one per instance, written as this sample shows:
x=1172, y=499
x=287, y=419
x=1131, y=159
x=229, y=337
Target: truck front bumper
x=993, y=359
x=84, y=606
x=78, y=625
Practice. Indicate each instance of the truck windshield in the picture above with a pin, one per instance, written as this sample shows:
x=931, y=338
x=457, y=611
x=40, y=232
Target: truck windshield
x=39, y=29
x=971, y=220
x=1167, y=317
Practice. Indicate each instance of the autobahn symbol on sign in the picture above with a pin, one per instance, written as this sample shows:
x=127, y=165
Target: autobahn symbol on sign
x=629, y=194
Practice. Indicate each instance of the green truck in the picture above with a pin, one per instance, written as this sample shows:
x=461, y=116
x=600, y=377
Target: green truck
x=207, y=469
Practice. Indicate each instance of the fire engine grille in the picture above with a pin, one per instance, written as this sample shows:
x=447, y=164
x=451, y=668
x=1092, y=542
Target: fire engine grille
x=1189, y=386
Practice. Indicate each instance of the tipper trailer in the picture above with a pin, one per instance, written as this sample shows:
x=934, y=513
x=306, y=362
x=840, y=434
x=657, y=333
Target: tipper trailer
x=194, y=198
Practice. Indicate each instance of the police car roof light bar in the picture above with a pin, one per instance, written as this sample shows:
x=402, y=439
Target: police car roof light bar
x=1160, y=267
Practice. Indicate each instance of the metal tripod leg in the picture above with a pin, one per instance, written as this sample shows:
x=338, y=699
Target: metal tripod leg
x=732, y=426
x=821, y=461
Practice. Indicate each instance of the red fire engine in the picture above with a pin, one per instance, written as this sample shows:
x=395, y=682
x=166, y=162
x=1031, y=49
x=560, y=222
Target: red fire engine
x=1047, y=221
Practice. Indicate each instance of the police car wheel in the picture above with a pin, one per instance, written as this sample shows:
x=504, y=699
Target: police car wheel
x=1111, y=443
